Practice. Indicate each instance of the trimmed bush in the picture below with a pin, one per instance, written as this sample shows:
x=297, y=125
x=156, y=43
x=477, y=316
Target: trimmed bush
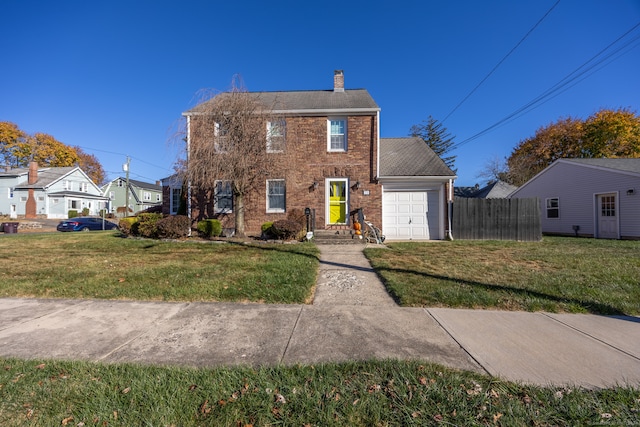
x=286, y=229
x=173, y=227
x=129, y=226
x=210, y=227
x=148, y=224
x=72, y=214
x=298, y=216
x=267, y=230
x=85, y=212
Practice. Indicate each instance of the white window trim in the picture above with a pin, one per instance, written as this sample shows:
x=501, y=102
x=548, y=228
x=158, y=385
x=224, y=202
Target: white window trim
x=146, y=195
x=219, y=146
x=284, y=195
x=283, y=136
x=345, y=143
x=546, y=205
x=215, y=202
x=172, y=200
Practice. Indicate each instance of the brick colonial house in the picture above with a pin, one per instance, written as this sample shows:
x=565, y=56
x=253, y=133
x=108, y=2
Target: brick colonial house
x=340, y=165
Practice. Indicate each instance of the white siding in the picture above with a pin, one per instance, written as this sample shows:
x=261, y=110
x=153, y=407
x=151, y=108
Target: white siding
x=576, y=187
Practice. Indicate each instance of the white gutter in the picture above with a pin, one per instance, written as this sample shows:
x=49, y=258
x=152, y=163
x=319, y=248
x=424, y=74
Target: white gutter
x=188, y=175
x=450, y=209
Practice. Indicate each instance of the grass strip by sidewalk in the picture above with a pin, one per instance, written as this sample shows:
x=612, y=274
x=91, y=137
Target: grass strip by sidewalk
x=105, y=266
x=355, y=394
x=559, y=274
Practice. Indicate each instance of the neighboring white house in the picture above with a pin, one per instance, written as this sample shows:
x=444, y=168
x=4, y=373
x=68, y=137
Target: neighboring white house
x=48, y=192
x=588, y=197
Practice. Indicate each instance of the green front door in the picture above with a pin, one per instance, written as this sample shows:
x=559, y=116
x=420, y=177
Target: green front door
x=337, y=202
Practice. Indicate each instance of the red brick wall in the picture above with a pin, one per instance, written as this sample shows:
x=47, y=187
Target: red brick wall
x=308, y=161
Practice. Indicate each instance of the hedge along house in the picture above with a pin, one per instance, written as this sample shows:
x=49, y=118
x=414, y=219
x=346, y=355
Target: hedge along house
x=329, y=162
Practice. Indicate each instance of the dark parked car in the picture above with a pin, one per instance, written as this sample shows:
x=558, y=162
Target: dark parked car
x=86, y=224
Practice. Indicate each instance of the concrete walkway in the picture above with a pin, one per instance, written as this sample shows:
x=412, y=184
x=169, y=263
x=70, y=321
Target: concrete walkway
x=351, y=318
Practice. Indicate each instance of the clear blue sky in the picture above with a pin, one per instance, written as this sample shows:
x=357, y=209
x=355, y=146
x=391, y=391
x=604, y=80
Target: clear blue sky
x=113, y=77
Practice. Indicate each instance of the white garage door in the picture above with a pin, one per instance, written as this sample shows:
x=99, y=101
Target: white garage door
x=406, y=215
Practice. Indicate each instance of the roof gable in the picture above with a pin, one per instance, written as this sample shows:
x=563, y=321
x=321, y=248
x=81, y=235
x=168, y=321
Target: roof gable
x=48, y=176
x=410, y=156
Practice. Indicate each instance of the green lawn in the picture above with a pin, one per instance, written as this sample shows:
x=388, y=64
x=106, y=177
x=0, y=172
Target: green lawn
x=383, y=393
x=558, y=274
x=103, y=265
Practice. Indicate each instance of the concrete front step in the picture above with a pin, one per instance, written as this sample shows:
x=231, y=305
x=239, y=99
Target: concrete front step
x=336, y=237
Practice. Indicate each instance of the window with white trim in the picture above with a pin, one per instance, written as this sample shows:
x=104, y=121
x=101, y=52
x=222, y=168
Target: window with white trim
x=337, y=134
x=553, y=207
x=276, y=195
x=84, y=187
x=220, y=139
x=158, y=198
x=74, y=204
x=10, y=192
x=146, y=195
x=112, y=195
x=223, y=197
x=276, y=132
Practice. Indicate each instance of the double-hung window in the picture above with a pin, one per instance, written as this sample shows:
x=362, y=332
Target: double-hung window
x=146, y=195
x=276, y=195
x=337, y=131
x=220, y=138
x=276, y=131
x=223, y=197
x=553, y=207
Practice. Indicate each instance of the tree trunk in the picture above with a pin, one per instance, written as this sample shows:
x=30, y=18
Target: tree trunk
x=239, y=210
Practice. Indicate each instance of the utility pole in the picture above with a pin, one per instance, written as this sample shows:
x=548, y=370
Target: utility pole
x=125, y=167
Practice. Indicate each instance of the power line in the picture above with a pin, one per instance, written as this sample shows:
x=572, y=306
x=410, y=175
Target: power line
x=124, y=155
x=563, y=83
x=501, y=61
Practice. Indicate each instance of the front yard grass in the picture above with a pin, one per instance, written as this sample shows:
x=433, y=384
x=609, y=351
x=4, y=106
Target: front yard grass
x=559, y=274
x=105, y=266
x=381, y=393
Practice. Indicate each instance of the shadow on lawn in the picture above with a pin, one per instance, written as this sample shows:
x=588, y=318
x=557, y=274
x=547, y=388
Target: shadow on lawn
x=590, y=306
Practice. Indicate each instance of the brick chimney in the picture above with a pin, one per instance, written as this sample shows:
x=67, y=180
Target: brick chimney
x=33, y=172
x=30, y=206
x=338, y=81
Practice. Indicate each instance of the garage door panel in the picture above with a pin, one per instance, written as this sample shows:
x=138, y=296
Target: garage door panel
x=406, y=215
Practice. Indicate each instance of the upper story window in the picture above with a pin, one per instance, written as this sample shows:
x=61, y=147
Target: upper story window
x=10, y=192
x=84, y=187
x=146, y=195
x=276, y=131
x=337, y=132
x=67, y=185
x=553, y=207
x=112, y=195
x=221, y=139
x=120, y=183
x=223, y=197
x=158, y=198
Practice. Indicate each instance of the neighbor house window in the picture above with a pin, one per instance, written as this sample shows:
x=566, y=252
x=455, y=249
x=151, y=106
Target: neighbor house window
x=10, y=192
x=275, y=195
x=337, y=134
x=223, y=197
x=67, y=185
x=74, y=204
x=85, y=187
x=276, y=136
x=176, y=193
x=553, y=207
x=147, y=195
x=112, y=195
x=120, y=183
x=158, y=198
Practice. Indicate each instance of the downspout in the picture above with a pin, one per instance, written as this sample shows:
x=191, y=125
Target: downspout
x=450, y=209
x=188, y=175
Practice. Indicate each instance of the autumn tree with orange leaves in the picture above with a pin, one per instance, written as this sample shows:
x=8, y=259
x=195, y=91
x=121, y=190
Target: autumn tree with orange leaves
x=605, y=134
x=17, y=149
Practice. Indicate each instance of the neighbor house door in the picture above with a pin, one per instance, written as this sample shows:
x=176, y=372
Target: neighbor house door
x=337, y=201
x=607, y=216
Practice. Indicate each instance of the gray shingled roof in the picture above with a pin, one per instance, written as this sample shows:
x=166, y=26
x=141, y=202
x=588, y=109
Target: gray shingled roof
x=47, y=176
x=410, y=156
x=312, y=101
x=627, y=165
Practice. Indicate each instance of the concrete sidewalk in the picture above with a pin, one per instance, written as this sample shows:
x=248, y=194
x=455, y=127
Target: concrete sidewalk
x=351, y=318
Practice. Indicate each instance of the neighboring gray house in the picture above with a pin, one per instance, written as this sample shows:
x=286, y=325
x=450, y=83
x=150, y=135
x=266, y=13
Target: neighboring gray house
x=414, y=190
x=588, y=197
x=142, y=195
x=48, y=192
x=493, y=190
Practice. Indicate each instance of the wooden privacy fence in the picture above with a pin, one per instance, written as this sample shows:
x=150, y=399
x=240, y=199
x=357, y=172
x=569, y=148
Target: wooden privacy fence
x=496, y=219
